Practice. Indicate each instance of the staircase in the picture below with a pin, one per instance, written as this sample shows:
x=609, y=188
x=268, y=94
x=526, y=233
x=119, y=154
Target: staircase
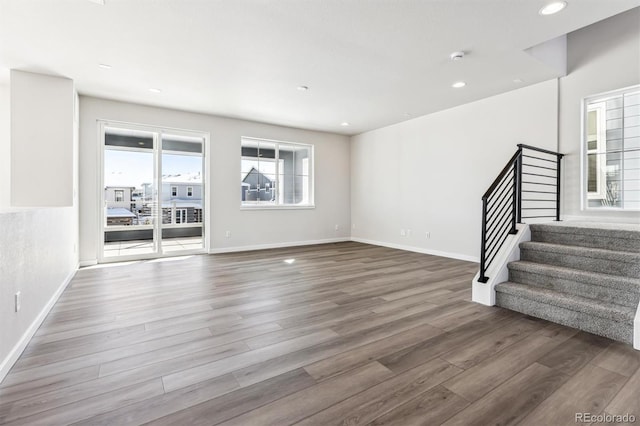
x=581, y=275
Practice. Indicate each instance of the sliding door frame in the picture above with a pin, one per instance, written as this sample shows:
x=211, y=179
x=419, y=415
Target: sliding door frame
x=158, y=133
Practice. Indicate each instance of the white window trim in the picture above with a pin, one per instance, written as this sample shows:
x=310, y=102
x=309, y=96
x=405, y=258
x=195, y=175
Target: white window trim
x=189, y=191
x=601, y=149
x=174, y=191
x=257, y=205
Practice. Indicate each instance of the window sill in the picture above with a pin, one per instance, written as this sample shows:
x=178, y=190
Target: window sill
x=290, y=207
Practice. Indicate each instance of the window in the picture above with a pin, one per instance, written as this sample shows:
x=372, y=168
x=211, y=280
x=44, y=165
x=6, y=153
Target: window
x=189, y=191
x=276, y=174
x=118, y=195
x=174, y=191
x=611, y=150
x=181, y=216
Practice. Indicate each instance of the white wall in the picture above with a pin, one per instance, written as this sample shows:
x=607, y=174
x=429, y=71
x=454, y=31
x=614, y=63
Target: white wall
x=5, y=147
x=602, y=57
x=38, y=247
x=248, y=228
x=428, y=174
x=36, y=258
x=42, y=111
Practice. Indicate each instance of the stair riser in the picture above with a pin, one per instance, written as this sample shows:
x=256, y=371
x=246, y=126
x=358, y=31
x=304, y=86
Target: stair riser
x=587, y=240
x=605, y=294
x=605, y=266
x=596, y=325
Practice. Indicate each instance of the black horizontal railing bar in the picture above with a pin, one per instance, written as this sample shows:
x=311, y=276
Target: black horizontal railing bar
x=539, y=167
x=538, y=208
x=496, y=252
x=499, y=190
x=537, y=174
x=504, y=171
x=498, y=210
x=535, y=148
x=489, y=243
x=533, y=199
x=493, y=221
x=537, y=192
x=540, y=158
x=540, y=183
x=496, y=213
x=495, y=248
x=534, y=217
x=495, y=243
x=497, y=226
x=504, y=192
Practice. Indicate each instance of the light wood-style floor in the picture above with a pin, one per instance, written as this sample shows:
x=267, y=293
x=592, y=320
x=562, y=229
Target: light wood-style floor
x=345, y=334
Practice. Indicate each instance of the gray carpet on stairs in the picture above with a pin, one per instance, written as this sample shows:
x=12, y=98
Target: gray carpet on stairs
x=608, y=288
x=585, y=276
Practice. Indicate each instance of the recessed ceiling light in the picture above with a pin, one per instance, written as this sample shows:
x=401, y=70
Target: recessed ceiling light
x=458, y=84
x=105, y=66
x=303, y=88
x=344, y=123
x=155, y=90
x=100, y=2
x=552, y=8
x=518, y=80
x=456, y=56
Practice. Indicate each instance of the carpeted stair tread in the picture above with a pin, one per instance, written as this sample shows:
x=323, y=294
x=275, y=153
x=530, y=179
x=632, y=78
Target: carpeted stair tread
x=610, y=311
x=620, y=237
x=626, y=284
x=620, y=263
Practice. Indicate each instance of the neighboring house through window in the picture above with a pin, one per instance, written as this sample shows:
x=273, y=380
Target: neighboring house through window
x=276, y=174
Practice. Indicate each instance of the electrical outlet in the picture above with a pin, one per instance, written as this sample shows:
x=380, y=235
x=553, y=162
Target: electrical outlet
x=427, y=235
x=403, y=233
x=227, y=234
x=18, y=301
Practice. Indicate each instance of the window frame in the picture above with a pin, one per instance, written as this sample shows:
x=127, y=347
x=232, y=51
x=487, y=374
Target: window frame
x=174, y=191
x=118, y=193
x=584, y=166
x=189, y=191
x=601, y=149
x=277, y=206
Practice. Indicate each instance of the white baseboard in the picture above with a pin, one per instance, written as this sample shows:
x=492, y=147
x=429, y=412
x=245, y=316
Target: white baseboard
x=277, y=245
x=14, y=354
x=91, y=262
x=417, y=249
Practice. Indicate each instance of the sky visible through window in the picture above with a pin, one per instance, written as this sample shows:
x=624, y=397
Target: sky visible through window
x=132, y=169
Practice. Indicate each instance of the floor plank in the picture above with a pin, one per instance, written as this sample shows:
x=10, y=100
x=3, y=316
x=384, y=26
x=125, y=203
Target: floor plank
x=347, y=334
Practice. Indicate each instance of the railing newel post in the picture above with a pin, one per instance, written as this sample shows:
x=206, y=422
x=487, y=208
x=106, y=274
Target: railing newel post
x=558, y=161
x=483, y=247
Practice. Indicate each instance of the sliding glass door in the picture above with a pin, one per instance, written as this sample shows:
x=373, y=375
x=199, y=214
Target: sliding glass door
x=153, y=192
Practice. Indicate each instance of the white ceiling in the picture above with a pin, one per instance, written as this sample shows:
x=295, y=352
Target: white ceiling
x=368, y=62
